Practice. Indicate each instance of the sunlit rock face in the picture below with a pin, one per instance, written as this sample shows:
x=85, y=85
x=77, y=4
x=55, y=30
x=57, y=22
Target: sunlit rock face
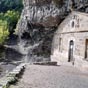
x=42, y=12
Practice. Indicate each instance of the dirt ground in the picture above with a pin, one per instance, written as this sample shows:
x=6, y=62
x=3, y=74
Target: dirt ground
x=36, y=76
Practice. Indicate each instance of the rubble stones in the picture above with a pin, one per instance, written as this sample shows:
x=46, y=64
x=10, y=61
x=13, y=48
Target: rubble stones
x=11, y=76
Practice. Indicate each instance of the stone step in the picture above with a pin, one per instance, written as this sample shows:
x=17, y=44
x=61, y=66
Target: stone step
x=11, y=76
x=4, y=82
x=66, y=64
x=45, y=63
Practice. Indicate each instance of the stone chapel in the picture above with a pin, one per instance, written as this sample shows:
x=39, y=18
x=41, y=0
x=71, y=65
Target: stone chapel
x=70, y=43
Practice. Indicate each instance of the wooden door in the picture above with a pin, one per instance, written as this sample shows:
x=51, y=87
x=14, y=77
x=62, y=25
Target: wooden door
x=71, y=46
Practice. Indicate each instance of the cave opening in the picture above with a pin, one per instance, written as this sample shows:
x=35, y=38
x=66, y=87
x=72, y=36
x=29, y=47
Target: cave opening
x=25, y=35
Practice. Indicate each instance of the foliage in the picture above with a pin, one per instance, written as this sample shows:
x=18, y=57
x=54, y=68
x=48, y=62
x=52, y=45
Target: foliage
x=3, y=31
x=2, y=16
x=10, y=11
x=12, y=17
x=6, y=5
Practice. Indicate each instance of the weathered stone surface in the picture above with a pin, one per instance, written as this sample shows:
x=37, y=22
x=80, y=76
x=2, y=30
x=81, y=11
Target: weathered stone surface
x=36, y=27
x=11, y=77
x=47, y=15
x=46, y=63
x=36, y=76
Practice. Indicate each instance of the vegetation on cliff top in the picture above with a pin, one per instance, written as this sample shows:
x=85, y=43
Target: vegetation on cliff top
x=3, y=31
x=6, y=5
x=10, y=11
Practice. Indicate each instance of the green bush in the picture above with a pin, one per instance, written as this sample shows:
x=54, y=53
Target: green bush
x=10, y=11
x=6, y=5
x=12, y=18
x=3, y=31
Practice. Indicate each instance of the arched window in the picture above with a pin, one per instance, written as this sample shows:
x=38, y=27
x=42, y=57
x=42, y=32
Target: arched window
x=72, y=24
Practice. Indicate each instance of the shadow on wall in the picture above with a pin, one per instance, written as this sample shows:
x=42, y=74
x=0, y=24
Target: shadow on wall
x=45, y=48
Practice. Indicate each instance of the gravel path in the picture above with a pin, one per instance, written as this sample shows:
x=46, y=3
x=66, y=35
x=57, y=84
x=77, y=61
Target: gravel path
x=52, y=77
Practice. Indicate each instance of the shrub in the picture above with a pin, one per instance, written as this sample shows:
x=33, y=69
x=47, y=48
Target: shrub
x=3, y=31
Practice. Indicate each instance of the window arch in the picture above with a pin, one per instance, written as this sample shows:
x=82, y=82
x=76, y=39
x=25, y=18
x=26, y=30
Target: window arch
x=72, y=24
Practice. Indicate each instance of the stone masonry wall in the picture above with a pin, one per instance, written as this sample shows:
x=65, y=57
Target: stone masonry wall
x=62, y=51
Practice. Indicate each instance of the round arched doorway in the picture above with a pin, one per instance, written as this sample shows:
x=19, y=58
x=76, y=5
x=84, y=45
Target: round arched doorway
x=71, y=46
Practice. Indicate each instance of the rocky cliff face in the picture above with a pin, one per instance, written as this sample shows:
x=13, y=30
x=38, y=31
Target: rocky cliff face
x=36, y=27
x=48, y=13
x=78, y=5
x=43, y=12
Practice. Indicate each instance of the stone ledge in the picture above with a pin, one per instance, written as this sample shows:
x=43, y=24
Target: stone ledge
x=45, y=63
x=11, y=77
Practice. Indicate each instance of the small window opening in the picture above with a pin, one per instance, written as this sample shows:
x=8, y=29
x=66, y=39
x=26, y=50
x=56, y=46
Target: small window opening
x=73, y=23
